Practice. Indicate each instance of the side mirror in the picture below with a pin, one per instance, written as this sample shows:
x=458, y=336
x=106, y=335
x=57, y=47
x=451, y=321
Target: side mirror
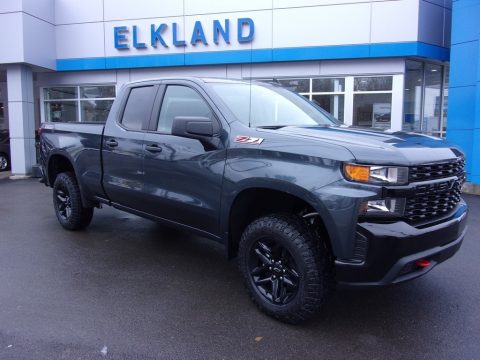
x=194, y=127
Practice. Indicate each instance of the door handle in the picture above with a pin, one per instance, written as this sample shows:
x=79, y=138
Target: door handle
x=111, y=143
x=153, y=148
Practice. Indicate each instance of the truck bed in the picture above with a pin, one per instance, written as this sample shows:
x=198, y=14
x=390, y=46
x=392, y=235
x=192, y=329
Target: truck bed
x=82, y=142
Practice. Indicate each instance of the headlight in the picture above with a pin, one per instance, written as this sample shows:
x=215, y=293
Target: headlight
x=376, y=174
x=383, y=207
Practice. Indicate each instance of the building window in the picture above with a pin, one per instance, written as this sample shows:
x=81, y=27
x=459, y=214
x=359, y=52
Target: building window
x=328, y=93
x=372, y=101
x=425, y=98
x=412, y=98
x=366, y=101
x=446, y=79
x=301, y=86
x=432, y=99
x=90, y=103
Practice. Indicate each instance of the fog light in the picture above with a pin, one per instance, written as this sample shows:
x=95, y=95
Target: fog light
x=382, y=207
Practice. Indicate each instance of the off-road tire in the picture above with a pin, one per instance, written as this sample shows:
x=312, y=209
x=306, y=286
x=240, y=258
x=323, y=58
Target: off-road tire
x=310, y=254
x=67, y=203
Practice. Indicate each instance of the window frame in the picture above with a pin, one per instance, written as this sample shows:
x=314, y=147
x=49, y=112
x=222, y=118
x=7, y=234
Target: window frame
x=78, y=99
x=365, y=92
x=123, y=105
x=343, y=93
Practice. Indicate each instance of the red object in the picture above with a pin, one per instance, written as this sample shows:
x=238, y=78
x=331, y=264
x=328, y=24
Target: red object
x=423, y=263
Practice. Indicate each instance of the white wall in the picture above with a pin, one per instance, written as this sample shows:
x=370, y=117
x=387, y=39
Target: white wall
x=11, y=24
x=27, y=32
x=38, y=42
x=41, y=31
x=7, y=6
x=85, y=27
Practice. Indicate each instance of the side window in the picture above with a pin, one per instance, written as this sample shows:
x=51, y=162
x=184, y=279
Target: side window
x=138, y=108
x=180, y=101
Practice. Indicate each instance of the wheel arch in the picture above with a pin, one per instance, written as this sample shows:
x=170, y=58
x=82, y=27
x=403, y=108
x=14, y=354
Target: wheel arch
x=254, y=201
x=58, y=163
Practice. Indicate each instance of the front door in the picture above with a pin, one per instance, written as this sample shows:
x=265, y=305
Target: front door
x=183, y=177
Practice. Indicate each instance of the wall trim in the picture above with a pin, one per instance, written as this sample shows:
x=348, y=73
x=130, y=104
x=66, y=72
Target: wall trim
x=361, y=51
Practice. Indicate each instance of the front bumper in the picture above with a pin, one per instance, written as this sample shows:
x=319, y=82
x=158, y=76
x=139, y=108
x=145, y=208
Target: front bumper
x=391, y=250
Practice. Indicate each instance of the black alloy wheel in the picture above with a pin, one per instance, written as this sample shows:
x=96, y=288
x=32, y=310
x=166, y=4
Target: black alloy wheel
x=63, y=202
x=273, y=271
x=287, y=266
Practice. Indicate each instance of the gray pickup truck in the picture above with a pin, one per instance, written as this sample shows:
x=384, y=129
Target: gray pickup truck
x=303, y=202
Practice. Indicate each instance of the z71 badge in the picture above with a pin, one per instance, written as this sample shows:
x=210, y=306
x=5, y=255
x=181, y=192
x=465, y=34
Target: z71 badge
x=241, y=139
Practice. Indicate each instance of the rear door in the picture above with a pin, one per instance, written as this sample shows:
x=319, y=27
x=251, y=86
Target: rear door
x=183, y=176
x=122, y=148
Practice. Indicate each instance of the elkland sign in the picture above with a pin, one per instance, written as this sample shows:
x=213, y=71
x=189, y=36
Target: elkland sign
x=126, y=37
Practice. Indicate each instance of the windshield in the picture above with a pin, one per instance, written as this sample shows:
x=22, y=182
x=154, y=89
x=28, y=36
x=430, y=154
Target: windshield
x=270, y=106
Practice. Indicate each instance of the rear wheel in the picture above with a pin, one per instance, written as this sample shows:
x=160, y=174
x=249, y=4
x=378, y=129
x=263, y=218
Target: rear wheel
x=67, y=203
x=287, y=269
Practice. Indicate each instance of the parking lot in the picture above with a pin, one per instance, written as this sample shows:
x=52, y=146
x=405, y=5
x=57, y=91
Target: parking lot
x=128, y=288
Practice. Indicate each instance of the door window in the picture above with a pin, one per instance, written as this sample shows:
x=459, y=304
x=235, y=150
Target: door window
x=138, y=108
x=181, y=101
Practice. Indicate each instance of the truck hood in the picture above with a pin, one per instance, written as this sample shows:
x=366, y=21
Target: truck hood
x=378, y=146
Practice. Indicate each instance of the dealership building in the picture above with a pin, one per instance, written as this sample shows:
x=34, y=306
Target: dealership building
x=370, y=63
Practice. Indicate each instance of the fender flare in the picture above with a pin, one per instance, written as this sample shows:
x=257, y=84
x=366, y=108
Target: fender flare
x=277, y=185
x=85, y=201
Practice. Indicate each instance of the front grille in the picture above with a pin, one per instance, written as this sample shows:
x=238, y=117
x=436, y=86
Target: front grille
x=439, y=198
x=436, y=170
x=430, y=202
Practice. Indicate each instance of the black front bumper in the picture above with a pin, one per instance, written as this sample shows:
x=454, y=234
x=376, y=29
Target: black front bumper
x=393, y=249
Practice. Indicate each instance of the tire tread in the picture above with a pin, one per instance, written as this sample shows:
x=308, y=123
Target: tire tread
x=316, y=257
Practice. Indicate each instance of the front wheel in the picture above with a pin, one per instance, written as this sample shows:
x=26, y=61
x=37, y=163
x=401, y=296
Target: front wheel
x=67, y=203
x=287, y=268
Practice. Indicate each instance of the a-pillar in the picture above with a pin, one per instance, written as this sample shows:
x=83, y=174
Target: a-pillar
x=21, y=119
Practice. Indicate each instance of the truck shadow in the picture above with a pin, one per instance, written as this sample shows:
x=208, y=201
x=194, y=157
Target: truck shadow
x=190, y=283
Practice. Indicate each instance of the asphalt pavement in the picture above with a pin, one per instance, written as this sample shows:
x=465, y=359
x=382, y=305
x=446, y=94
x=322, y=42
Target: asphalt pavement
x=128, y=288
